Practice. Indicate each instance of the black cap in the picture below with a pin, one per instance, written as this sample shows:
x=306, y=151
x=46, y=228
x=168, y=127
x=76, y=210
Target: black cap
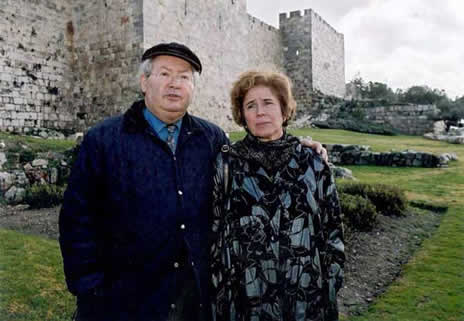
x=174, y=49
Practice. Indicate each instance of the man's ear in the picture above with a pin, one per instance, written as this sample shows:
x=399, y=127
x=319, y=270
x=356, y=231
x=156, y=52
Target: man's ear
x=143, y=83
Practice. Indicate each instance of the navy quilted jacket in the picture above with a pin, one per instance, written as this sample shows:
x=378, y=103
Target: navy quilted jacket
x=135, y=216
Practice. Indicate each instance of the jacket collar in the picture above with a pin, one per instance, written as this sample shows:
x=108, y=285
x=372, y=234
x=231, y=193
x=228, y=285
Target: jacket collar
x=134, y=121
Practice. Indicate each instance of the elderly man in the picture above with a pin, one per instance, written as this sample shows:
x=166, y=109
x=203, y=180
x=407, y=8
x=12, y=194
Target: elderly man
x=135, y=218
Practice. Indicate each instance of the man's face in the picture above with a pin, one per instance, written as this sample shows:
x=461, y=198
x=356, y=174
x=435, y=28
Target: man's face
x=169, y=88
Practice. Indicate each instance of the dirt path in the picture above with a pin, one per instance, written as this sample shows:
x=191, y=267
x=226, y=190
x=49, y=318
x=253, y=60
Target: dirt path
x=374, y=259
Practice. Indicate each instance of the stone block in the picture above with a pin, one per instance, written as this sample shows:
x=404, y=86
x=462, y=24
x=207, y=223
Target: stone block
x=15, y=194
x=6, y=181
x=40, y=163
x=3, y=159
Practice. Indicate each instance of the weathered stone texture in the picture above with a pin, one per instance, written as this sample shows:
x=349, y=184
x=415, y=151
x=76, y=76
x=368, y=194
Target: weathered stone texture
x=34, y=64
x=409, y=119
x=296, y=41
x=328, y=57
x=108, y=43
x=227, y=40
x=68, y=64
x=314, y=55
x=344, y=154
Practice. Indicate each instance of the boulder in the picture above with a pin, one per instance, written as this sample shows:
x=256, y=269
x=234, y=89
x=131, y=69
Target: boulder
x=15, y=194
x=40, y=163
x=341, y=172
x=456, y=131
x=2, y=159
x=439, y=127
x=6, y=181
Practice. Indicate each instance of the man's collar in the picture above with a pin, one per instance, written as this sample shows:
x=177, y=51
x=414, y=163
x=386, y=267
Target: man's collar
x=134, y=120
x=157, y=124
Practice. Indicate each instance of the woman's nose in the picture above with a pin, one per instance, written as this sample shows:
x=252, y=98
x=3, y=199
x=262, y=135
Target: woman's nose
x=259, y=110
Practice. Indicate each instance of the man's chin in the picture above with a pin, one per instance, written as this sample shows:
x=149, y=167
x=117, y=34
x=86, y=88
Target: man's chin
x=176, y=109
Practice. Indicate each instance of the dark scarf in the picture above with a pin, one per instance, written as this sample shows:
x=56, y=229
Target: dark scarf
x=270, y=155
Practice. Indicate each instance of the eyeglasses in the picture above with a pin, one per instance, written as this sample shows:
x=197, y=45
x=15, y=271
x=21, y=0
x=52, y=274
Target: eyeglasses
x=183, y=77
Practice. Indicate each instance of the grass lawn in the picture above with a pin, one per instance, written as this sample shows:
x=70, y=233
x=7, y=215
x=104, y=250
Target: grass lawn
x=31, y=279
x=431, y=288
x=38, y=144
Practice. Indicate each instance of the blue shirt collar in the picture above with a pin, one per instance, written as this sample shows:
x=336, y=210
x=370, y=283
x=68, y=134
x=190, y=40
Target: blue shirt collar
x=156, y=123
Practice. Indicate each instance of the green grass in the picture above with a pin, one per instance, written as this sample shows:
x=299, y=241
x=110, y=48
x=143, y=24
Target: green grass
x=32, y=280
x=38, y=144
x=432, y=284
x=431, y=287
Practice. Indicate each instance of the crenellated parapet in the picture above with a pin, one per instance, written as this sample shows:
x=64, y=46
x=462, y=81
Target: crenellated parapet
x=68, y=64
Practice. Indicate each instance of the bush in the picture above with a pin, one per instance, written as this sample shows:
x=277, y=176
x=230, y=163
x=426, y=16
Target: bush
x=26, y=156
x=358, y=212
x=71, y=154
x=388, y=200
x=44, y=195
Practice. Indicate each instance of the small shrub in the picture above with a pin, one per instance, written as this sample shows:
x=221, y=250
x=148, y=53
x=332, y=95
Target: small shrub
x=71, y=154
x=388, y=200
x=2, y=201
x=26, y=156
x=437, y=208
x=44, y=195
x=358, y=212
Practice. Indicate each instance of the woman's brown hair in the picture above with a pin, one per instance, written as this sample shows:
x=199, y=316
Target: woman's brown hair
x=278, y=83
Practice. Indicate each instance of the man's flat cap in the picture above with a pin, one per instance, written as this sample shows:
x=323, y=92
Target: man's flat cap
x=174, y=49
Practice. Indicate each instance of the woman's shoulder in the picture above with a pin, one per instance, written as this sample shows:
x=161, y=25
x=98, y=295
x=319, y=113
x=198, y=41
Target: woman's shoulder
x=306, y=156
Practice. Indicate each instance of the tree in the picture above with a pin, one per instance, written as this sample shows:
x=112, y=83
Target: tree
x=452, y=111
x=423, y=95
x=371, y=90
x=380, y=91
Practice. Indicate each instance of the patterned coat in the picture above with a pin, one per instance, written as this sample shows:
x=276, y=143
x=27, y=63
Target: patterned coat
x=277, y=248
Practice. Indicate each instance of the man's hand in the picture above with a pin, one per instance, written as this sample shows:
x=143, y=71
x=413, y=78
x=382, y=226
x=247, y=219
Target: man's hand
x=317, y=147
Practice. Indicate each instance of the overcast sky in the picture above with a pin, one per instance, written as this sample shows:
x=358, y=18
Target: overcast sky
x=398, y=42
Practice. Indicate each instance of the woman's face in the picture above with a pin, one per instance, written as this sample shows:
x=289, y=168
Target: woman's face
x=263, y=113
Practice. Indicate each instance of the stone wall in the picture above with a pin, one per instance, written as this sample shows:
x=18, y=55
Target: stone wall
x=35, y=56
x=108, y=45
x=314, y=55
x=227, y=40
x=328, y=57
x=343, y=154
x=409, y=119
x=406, y=119
x=68, y=64
x=296, y=41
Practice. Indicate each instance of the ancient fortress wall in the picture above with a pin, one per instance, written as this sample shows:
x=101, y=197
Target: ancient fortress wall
x=296, y=41
x=70, y=63
x=328, y=57
x=227, y=40
x=409, y=119
x=35, y=70
x=107, y=48
x=314, y=55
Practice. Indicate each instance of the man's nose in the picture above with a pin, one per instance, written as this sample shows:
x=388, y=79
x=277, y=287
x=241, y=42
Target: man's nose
x=174, y=81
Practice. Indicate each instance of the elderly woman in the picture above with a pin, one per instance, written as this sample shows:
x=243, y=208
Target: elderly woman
x=277, y=251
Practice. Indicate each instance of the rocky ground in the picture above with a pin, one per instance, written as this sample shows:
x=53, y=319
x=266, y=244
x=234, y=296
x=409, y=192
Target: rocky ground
x=374, y=259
